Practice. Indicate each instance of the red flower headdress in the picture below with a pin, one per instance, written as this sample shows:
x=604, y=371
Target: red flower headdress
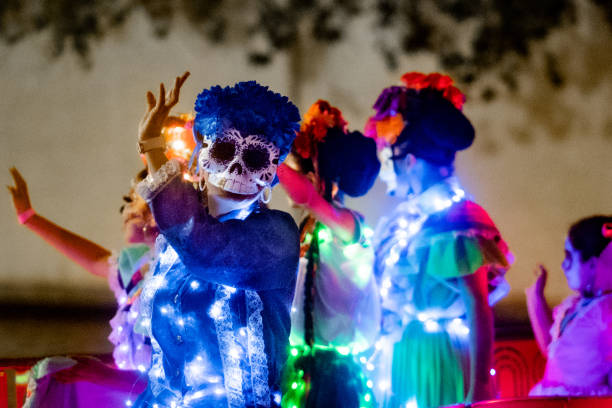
x=387, y=124
x=316, y=123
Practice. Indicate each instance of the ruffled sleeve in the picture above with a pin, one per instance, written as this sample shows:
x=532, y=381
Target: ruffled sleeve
x=460, y=243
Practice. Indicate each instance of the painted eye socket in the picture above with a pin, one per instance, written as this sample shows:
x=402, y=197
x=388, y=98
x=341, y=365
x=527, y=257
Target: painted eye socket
x=256, y=158
x=223, y=151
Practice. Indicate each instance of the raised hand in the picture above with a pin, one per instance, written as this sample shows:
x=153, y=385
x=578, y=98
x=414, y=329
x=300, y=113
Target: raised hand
x=537, y=288
x=19, y=192
x=158, y=109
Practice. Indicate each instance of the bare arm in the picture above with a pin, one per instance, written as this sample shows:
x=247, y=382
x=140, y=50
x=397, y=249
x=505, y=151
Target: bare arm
x=154, y=118
x=480, y=322
x=540, y=313
x=303, y=192
x=85, y=253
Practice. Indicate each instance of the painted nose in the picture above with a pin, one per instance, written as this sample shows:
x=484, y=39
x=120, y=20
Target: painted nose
x=236, y=167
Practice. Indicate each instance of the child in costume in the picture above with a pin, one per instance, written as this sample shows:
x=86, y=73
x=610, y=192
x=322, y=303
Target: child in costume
x=577, y=335
x=440, y=258
x=218, y=303
x=336, y=308
x=86, y=381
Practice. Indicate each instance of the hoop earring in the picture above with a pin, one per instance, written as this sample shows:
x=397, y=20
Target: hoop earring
x=263, y=197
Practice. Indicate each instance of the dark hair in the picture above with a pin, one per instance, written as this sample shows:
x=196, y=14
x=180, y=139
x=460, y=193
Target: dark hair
x=348, y=159
x=141, y=175
x=587, y=238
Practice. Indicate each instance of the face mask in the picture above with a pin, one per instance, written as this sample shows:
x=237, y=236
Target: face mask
x=239, y=164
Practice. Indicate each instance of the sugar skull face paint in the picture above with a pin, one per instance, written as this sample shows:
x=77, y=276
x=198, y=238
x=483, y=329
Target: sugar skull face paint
x=239, y=164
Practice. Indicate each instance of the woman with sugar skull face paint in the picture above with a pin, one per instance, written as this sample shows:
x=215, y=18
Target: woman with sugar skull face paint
x=336, y=308
x=218, y=303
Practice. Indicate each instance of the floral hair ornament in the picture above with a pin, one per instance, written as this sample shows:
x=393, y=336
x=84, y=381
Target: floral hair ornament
x=248, y=107
x=442, y=83
x=320, y=118
x=606, y=230
x=387, y=124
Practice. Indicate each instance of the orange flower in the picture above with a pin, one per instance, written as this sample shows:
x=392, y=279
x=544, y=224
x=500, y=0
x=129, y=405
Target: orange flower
x=319, y=118
x=390, y=128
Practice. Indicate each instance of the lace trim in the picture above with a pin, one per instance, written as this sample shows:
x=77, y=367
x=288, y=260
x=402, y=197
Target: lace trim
x=256, y=350
x=154, y=183
x=229, y=350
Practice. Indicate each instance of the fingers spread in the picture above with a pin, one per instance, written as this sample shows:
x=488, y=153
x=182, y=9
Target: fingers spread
x=162, y=95
x=150, y=100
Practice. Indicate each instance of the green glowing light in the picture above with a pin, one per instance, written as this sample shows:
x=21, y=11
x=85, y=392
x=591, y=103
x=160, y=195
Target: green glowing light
x=345, y=351
x=294, y=386
x=367, y=398
x=294, y=352
x=324, y=236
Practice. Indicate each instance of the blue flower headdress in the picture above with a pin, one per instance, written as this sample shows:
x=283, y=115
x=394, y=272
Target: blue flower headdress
x=250, y=108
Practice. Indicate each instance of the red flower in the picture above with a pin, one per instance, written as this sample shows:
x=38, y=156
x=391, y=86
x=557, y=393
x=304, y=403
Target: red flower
x=455, y=96
x=414, y=80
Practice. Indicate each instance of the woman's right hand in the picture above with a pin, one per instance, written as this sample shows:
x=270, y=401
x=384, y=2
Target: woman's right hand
x=538, y=286
x=19, y=192
x=158, y=109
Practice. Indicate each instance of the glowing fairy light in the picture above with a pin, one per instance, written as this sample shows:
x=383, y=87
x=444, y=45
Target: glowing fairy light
x=242, y=332
x=370, y=367
x=342, y=350
x=324, y=236
x=367, y=398
x=493, y=372
x=364, y=271
x=277, y=398
x=363, y=360
x=181, y=322
x=235, y=352
x=128, y=403
x=402, y=223
x=163, y=310
x=458, y=327
x=294, y=352
x=294, y=386
x=194, y=285
x=392, y=259
x=431, y=326
x=370, y=384
x=384, y=385
x=412, y=403
x=219, y=391
x=215, y=310
x=142, y=368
